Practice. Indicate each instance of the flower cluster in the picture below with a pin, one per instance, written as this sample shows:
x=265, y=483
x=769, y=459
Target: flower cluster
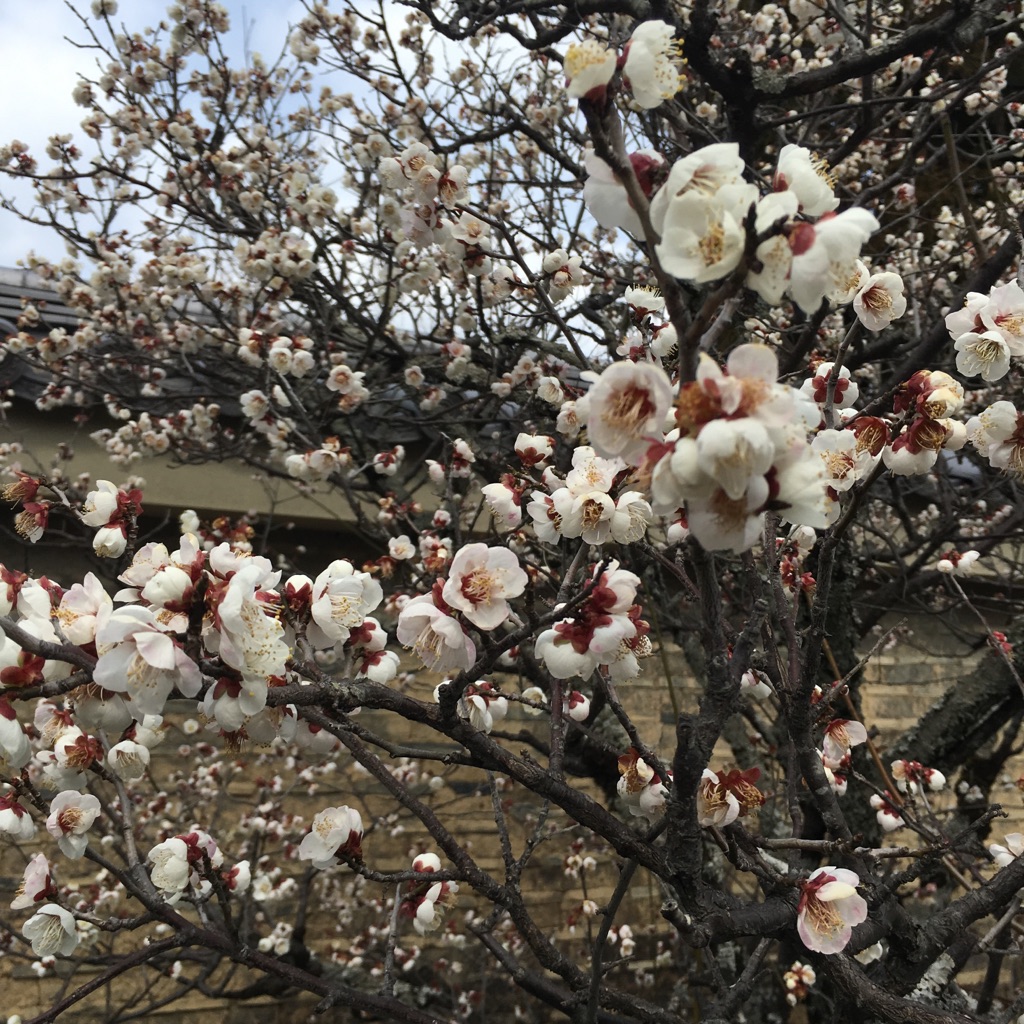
x=988, y=331
x=739, y=447
x=604, y=630
x=425, y=902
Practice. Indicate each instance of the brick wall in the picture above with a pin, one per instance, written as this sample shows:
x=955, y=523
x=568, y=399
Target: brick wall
x=900, y=684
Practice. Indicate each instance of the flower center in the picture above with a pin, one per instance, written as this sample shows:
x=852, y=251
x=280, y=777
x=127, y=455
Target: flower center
x=69, y=819
x=712, y=245
x=987, y=351
x=478, y=585
x=878, y=299
x=1012, y=323
x=838, y=464
x=824, y=917
x=629, y=410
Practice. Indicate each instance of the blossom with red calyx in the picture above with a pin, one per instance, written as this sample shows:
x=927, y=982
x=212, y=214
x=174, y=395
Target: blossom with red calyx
x=911, y=776
x=378, y=666
x=533, y=449
x=626, y=409
x=846, y=390
x=592, y=636
x=71, y=816
x=886, y=812
x=36, y=884
x=238, y=878
x=179, y=860
x=880, y=300
x=577, y=706
x=505, y=501
x=232, y=699
x=840, y=735
x=605, y=196
x=837, y=773
x=625, y=661
x=26, y=669
x=829, y=908
x=997, y=639
x=15, y=750
x=998, y=434
x=336, y=834
x=483, y=706
x=798, y=980
x=589, y=68
x=724, y=797
x=916, y=449
x=931, y=393
x=806, y=175
x=112, y=511
x=22, y=489
x=641, y=788
x=11, y=583
x=956, y=563
x=652, y=64
x=425, y=902
x=76, y=750
x=16, y=823
x=32, y=521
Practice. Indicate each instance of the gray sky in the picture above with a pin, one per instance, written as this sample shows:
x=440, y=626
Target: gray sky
x=39, y=67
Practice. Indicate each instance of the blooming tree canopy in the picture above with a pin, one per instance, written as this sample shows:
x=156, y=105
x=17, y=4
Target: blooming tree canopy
x=632, y=341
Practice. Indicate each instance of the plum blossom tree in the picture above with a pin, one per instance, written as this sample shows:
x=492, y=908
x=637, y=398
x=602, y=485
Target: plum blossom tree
x=626, y=333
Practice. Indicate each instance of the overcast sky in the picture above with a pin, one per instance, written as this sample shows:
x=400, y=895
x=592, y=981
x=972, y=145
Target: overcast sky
x=38, y=67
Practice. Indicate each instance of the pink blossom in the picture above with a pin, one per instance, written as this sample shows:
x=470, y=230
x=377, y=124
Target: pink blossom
x=480, y=581
x=36, y=884
x=829, y=909
x=840, y=735
x=426, y=625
